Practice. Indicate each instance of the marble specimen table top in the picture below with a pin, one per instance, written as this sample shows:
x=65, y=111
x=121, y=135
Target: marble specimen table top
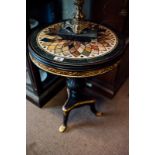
x=53, y=51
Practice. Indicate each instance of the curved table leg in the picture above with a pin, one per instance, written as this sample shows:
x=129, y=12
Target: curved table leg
x=97, y=113
x=63, y=127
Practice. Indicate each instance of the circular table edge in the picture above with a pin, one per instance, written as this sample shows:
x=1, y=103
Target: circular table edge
x=74, y=74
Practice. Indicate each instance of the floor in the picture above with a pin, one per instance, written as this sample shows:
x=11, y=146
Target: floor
x=86, y=134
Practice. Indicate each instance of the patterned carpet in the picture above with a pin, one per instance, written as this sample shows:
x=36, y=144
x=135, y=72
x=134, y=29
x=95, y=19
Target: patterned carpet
x=86, y=133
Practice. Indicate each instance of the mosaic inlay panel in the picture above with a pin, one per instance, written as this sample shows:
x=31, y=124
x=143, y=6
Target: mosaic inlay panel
x=50, y=42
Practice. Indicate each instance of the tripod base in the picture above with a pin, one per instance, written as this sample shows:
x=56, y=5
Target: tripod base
x=76, y=99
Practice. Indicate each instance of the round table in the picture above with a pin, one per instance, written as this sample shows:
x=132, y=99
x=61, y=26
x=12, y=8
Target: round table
x=75, y=59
